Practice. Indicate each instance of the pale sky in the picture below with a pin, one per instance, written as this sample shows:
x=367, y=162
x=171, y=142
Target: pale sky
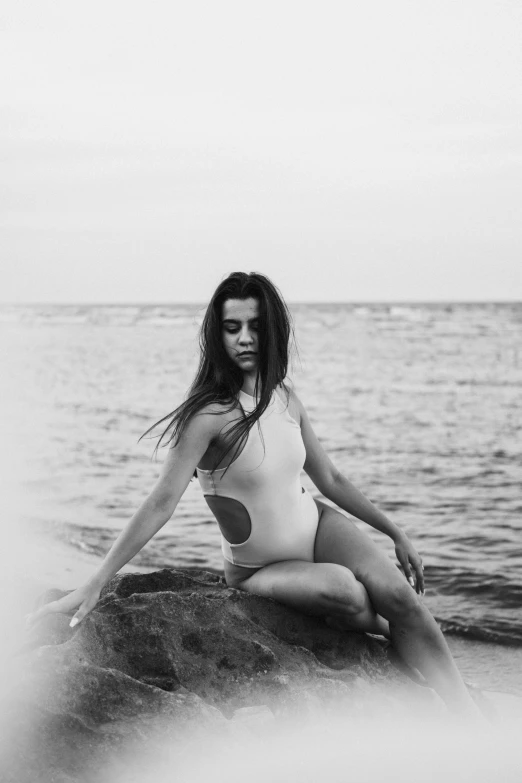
x=352, y=151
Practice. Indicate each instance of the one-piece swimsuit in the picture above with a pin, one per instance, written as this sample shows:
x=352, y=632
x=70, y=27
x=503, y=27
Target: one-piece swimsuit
x=265, y=478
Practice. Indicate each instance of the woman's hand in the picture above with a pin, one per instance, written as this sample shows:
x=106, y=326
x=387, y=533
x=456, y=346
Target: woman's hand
x=410, y=561
x=83, y=598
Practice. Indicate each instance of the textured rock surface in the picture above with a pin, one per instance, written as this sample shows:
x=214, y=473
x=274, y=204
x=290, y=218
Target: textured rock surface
x=168, y=655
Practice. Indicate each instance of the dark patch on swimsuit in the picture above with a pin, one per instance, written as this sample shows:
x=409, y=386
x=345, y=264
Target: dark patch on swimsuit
x=232, y=517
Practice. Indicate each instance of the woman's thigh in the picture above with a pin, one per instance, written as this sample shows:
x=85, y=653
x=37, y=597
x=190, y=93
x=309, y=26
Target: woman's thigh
x=313, y=588
x=340, y=541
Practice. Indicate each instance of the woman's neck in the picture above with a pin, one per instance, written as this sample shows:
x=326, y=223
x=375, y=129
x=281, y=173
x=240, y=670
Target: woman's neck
x=249, y=383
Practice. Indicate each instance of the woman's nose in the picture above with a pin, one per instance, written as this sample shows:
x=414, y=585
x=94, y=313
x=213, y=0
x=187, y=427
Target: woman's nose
x=245, y=335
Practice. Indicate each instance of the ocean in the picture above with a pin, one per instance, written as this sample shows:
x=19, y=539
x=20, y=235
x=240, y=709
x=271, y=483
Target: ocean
x=418, y=404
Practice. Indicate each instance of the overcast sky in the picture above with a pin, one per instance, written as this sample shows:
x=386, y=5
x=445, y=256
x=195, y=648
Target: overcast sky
x=350, y=150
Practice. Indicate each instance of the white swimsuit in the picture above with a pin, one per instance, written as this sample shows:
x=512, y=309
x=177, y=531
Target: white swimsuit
x=267, y=483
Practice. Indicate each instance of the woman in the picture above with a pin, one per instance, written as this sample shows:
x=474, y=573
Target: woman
x=246, y=435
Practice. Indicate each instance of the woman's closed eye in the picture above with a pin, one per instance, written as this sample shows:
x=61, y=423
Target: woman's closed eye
x=233, y=330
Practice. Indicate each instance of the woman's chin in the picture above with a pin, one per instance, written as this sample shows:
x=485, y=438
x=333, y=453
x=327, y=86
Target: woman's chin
x=247, y=362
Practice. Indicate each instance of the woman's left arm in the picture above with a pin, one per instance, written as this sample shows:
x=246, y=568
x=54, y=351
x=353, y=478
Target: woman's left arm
x=337, y=488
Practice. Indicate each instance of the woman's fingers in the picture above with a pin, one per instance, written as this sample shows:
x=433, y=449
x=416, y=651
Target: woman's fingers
x=84, y=610
x=50, y=608
x=419, y=572
x=416, y=565
x=403, y=560
x=65, y=605
x=411, y=563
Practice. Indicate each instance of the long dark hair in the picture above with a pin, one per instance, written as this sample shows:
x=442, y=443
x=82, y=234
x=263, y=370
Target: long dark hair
x=218, y=379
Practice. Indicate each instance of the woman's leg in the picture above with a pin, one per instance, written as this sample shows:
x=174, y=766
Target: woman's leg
x=323, y=589
x=414, y=632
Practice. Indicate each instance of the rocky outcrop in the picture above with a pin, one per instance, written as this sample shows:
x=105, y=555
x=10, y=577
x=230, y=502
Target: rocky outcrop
x=167, y=656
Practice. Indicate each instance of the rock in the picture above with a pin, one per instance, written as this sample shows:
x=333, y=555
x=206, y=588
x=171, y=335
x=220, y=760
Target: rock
x=170, y=655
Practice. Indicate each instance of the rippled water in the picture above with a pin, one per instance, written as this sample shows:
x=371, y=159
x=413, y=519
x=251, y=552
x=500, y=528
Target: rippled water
x=419, y=405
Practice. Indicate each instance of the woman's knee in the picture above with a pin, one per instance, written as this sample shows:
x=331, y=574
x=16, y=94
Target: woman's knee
x=400, y=603
x=341, y=593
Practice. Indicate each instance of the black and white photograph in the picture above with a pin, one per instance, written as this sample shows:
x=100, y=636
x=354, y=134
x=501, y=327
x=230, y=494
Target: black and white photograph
x=261, y=422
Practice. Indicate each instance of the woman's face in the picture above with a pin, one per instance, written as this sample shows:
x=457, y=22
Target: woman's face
x=240, y=321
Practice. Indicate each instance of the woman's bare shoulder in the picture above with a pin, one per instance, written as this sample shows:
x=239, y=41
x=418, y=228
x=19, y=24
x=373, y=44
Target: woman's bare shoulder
x=218, y=408
x=215, y=414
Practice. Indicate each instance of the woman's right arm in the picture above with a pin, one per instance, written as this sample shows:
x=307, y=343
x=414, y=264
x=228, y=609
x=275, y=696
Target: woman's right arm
x=154, y=512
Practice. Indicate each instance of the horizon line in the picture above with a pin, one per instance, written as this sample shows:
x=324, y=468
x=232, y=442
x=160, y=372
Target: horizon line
x=131, y=303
